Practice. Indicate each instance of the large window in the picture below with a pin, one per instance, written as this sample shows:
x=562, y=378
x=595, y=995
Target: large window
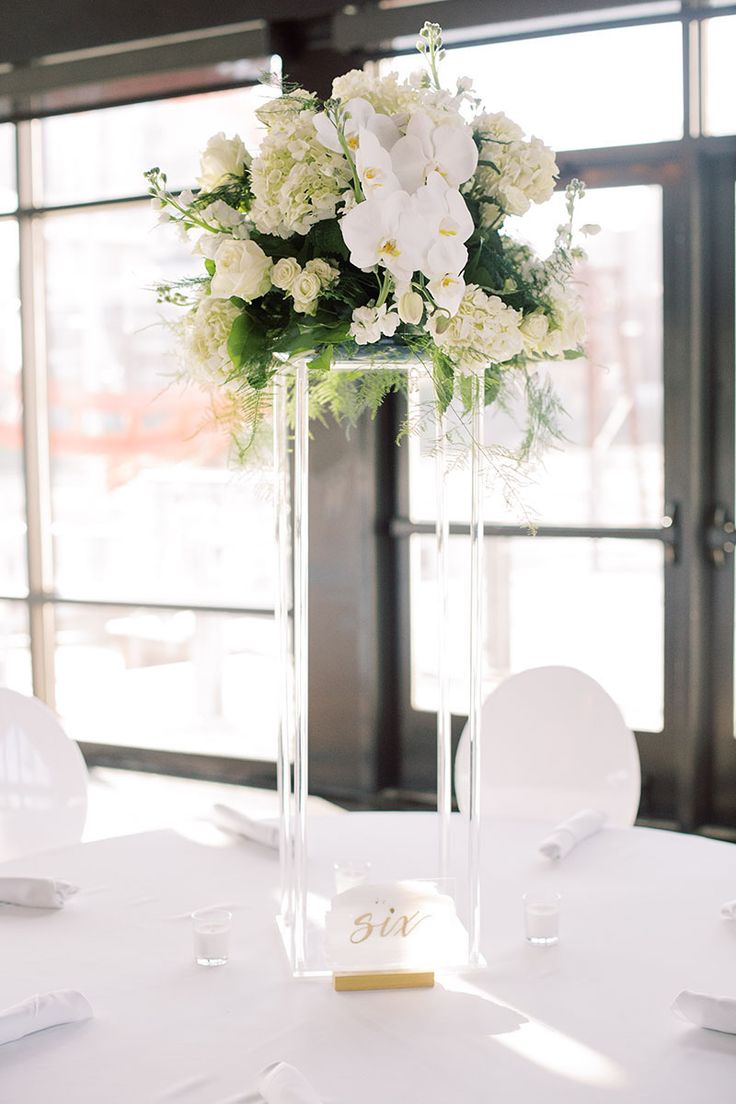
x=139, y=557
x=629, y=576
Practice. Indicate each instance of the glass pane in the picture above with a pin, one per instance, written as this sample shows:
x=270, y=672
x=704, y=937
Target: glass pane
x=102, y=154
x=145, y=505
x=179, y=681
x=720, y=86
x=568, y=89
x=8, y=193
x=12, y=495
x=597, y=605
x=15, y=648
x=610, y=468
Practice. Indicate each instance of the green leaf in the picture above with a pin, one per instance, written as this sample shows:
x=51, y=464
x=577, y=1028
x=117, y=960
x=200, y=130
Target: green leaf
x=247, y=342
x=238, y=339
x=302, y=338
x=444, y=379
x=322, y=362
x=491, y=385
x=574, y=354
x=210, y=266
x=325, y=239
x=259, y=374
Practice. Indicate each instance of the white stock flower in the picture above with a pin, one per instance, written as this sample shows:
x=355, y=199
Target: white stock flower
x=385, y=231
x=225, y=217
x=484, y=331
x=242, y=269
x=371, y=323
x=410, y=307
x=285, y=272
x=222, y=157
x=448, y=149
x=205, y=331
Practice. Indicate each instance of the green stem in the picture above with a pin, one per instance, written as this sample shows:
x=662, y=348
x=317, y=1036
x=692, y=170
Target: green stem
x=384, y=290
x=339, y=127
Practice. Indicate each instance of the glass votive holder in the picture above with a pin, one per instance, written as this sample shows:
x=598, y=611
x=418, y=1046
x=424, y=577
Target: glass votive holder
x=349, y=874
x=542, y=917
x=211, y=936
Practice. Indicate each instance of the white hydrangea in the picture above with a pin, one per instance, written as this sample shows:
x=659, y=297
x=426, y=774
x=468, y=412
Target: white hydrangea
x=296, y=181
x=567, y=325
x=388, y=94
x=484, y=331
x=525, y=172
x=204, y=333
x=370, y=324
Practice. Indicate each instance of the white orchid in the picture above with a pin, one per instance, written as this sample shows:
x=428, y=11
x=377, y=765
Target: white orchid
x=386, y=231
x=357, y=116
x=447, y=291
x=447, y=149
x=373, y=163
x=448, y=225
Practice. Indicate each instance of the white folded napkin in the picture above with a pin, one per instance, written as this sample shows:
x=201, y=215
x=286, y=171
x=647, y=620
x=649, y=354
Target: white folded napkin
x=42, y=1011
x=284, y=1084
x=35, y=892
x=716, y=1013
x=728, y=910
x=572, y=832
x=259, y=831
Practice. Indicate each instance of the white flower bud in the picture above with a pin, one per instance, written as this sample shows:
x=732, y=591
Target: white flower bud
x=410, y=307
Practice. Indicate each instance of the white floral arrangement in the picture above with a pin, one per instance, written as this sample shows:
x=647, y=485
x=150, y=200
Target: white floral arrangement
x=369, y=226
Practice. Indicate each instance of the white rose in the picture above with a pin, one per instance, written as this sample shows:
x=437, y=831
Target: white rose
x=534, y=330
x=324, y=272
x=285, y=273
x=223, y=157
x=552, y=344
x=242, y=269
x=410, y=307
x=305, y=290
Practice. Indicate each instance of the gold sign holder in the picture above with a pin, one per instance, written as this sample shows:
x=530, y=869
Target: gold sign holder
x=394, y=979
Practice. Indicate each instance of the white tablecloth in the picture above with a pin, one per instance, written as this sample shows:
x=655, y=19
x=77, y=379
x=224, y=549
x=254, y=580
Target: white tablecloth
x=586, y=1021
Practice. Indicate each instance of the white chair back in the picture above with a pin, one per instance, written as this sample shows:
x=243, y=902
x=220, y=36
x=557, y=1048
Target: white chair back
x=43, y=779
x=553, y=742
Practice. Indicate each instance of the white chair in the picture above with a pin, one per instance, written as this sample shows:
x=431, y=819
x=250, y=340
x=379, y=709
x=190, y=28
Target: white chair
x=43, y=779
x=553, y=742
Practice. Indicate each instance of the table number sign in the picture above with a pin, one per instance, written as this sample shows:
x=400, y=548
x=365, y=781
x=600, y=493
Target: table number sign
x=393, y=935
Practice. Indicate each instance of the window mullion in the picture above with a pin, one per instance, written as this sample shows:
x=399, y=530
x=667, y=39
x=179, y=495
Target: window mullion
x=37, y=471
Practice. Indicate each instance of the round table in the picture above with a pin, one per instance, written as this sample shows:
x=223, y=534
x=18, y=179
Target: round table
x=588, y=1020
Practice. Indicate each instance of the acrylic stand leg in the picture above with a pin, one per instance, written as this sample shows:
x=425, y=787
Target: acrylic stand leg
x=444, y=720
x=301, y=660
x=285, y=644
x=476, y=669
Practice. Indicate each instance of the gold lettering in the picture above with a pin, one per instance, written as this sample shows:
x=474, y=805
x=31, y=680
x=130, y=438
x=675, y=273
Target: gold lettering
x=362, y=921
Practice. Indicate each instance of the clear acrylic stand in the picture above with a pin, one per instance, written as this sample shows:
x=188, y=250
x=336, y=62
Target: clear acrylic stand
x=304, y=886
